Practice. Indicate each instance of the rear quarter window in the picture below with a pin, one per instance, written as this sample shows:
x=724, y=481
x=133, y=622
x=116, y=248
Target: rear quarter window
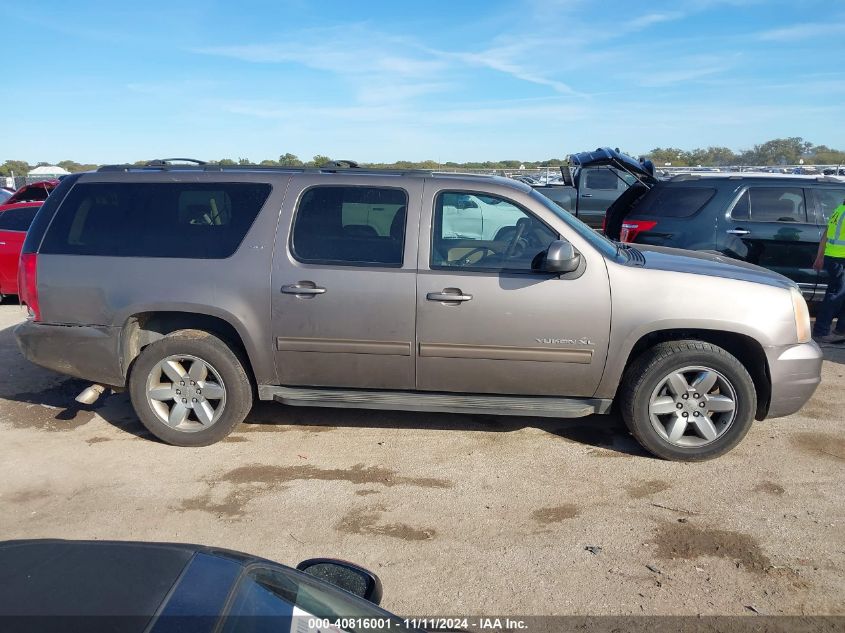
x=674, y=202
x=181, y=220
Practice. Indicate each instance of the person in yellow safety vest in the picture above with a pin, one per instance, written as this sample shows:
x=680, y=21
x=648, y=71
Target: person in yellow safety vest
x=831, y=257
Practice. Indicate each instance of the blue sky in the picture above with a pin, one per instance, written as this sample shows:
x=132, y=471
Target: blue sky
x=383, y=81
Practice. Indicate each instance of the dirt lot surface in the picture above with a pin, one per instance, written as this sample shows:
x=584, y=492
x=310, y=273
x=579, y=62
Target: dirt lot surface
x=459, y=515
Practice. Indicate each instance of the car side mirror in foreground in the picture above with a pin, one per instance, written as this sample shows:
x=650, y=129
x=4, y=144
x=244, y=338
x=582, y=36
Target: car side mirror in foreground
x=561, y=257
x=349, y=577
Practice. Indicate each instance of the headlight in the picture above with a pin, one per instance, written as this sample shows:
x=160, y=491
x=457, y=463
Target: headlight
x=802, y=316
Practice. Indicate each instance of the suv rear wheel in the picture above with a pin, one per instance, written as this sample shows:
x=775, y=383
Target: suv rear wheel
x=688, y=400
x=189, y=388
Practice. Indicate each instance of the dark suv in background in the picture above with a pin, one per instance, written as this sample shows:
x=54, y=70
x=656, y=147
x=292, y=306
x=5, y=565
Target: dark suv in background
x=772, y=220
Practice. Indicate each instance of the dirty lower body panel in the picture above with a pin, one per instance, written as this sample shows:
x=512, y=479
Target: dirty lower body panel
x=88, y=352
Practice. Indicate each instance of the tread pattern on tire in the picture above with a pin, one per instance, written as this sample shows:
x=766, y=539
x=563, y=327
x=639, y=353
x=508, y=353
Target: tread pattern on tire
x=640, y=371
x=239, y=391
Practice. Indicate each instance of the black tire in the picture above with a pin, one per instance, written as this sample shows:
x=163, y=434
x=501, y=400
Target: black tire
x=221, y=358
x=650, y=369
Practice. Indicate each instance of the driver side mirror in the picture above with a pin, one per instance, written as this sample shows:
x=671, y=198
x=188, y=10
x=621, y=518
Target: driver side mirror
x=347, y=576
x=561, y=257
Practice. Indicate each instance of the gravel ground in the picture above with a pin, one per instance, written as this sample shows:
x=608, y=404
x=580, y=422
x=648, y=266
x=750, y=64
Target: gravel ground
x=459, y=515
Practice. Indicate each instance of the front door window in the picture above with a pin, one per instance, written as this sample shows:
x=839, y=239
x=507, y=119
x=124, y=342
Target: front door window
x=486, y=233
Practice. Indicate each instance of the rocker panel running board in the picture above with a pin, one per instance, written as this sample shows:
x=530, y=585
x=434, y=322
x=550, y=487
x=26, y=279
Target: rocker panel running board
x=436, y=402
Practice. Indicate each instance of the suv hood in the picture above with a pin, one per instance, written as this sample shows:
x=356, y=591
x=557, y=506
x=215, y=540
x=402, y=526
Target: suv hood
x=712, y=264
x=606, y=157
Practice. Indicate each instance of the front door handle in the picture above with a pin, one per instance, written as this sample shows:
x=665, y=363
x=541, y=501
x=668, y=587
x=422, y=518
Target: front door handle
x=737, y=232
x=448, y=294
x=303, y=288
x=586, y=195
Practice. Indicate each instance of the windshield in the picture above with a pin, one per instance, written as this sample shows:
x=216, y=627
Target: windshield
x=600, y=242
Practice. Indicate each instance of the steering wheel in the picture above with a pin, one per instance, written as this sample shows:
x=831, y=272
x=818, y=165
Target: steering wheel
x=517, y=241
x=464, y=260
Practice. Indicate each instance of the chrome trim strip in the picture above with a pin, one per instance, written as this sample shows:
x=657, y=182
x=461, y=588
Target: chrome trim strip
x=490, y=352
x=342, y=346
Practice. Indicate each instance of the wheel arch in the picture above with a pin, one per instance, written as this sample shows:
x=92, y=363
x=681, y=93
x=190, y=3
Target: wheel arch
x=143, y=328
x=744, y=348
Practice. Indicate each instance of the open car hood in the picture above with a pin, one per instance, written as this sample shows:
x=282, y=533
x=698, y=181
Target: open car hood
x=606, y=157
x=33, y=192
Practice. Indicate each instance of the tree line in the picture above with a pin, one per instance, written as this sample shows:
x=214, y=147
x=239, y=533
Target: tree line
x=781, y=151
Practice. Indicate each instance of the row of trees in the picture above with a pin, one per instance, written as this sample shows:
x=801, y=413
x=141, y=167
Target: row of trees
x=782, y=151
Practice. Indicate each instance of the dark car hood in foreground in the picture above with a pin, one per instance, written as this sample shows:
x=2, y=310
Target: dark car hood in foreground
x=703, y=263
x=73, y=578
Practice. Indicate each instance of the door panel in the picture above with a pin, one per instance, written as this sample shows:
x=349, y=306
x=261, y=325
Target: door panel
x=770, y=226
x=509, y=332
x=599, y=188
x=338, y=322
x=11, y=243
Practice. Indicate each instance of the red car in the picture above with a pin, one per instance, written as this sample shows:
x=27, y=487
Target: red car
x=33, y=192
x=14, y=223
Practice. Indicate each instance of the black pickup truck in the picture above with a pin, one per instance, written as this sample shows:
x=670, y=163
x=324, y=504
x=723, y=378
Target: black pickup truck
x=592, y=181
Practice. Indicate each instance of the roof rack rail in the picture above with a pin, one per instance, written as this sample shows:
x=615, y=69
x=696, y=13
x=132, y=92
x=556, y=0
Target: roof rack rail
x=169, y=161
x=331, y=167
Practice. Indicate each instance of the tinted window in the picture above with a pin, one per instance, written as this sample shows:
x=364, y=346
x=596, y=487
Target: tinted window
x=828, y=199
x=350, y=225
x=742, y=208
x=17, y=219
x=674, y=202
x=486, y=233
x=777, y=204
x=193, y=220
x=601, y=179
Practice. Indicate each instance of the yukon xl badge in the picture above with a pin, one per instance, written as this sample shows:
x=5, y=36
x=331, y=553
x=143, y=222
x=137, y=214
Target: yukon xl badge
x=564, y=341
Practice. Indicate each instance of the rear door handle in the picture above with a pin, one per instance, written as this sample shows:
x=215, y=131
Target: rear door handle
x=586, y=195
x=445, y=295
x=737, y=232
x=303, y=288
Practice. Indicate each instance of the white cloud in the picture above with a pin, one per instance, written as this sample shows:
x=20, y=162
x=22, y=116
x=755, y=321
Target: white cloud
x=803, y=31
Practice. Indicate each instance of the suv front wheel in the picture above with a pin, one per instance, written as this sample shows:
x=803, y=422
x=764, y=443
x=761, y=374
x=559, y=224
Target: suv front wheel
x=189, y=388
x=688, y=400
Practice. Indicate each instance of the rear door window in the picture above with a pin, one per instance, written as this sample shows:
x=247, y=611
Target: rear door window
x=182, y=220
x=350, y=226
x=775, y=204
x=601, y=179
x=674, y=202
x=17, y=219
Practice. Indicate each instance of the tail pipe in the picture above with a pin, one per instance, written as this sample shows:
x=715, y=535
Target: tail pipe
x=91, y=394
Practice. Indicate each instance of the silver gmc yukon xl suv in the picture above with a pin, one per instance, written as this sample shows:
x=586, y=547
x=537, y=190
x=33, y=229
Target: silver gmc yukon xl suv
x=200, y=288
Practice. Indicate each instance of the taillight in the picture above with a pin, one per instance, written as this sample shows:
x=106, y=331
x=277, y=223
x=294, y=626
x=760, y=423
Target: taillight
x=28, y=284
x=632, y=228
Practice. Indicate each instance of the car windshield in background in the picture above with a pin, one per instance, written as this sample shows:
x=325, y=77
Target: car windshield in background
x=674, y=202
x=604, y=245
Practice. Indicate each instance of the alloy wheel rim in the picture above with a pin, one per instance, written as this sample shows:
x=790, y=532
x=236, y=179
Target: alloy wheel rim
x=693, y=407
x=186, y=393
